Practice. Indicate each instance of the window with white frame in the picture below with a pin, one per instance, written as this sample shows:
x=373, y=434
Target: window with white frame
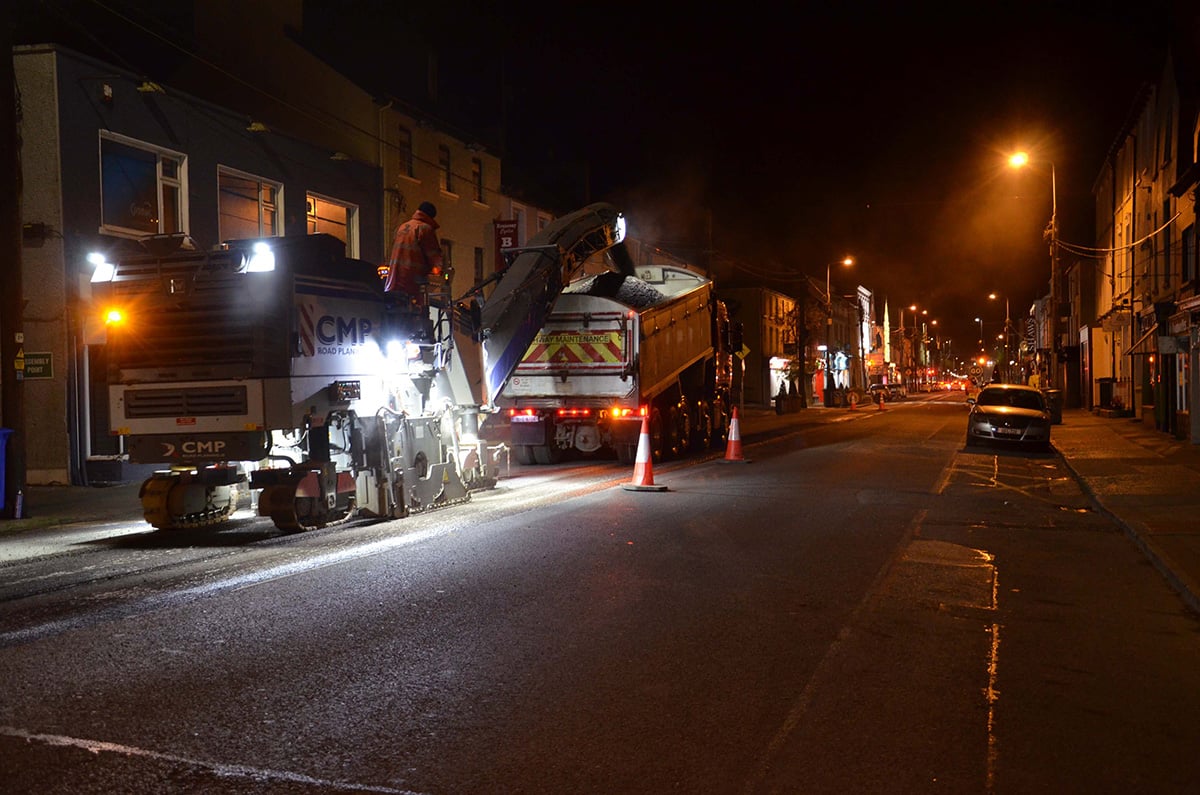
x=477, y=179
x=404, y=146
x=247, y=206
x=1166, y=248
x=1188, y=244
x=142, y=187
x=327, y=216
x=518, y=215
x=1182, y=402
x=447, y=178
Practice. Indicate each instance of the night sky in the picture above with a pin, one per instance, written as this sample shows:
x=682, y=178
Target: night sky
x=812, y=131
x=806, y=132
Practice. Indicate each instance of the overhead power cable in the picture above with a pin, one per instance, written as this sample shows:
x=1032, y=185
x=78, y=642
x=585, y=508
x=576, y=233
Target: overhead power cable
x=1101, y=253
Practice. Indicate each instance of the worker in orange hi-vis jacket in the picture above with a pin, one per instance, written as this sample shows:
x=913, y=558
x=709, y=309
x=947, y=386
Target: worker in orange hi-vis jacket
x=416, y=255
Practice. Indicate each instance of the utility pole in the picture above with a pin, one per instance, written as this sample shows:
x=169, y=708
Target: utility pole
x=12, y=301
x=802, y=337
x=1052, y=320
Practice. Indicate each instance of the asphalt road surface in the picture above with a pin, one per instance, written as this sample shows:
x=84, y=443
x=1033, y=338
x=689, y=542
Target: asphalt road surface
x=865, y=607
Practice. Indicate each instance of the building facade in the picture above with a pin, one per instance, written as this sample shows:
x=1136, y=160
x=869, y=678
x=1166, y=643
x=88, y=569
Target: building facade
x=771, y=363
x=109, y=159
x=293, y=147
x=1138, y=356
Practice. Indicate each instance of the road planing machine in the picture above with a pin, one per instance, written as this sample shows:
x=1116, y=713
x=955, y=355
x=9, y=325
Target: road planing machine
x=278, y=368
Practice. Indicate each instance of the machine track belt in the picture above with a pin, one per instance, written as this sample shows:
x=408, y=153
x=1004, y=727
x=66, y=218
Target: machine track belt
x=279, y=503
x=154, y=495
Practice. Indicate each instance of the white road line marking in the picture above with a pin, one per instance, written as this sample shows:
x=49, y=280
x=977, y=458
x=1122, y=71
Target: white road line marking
x=240, y=771
x=826, y=666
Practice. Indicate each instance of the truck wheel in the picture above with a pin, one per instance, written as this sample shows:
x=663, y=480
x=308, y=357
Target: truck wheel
x=720, y=421
x=702, y=430
x=658, y=447
x=524, y=454
x=546, y=454
x=626, y=454
x=681, y=431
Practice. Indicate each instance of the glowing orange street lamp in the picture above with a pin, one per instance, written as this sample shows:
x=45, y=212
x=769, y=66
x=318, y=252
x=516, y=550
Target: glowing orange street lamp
x=1020, y=160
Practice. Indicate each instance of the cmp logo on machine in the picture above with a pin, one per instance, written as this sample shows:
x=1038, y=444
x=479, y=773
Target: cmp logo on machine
x=194, y=448
x=329, y=334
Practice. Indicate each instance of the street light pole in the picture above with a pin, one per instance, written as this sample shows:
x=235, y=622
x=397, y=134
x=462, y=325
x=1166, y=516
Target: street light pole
x=1007, y=364
x=1052, y=323
x=1019, y=160
x=914, y=359
x=846, y=261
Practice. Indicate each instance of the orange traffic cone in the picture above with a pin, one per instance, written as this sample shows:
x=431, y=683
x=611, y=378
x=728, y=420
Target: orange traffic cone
x=881, y=401
x=733, y=450
x=643, y=468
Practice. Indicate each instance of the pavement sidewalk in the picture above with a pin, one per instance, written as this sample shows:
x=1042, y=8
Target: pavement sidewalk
x=1147, y=481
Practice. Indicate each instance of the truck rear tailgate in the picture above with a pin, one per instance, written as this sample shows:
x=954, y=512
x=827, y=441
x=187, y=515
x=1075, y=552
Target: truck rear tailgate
x=583, y=350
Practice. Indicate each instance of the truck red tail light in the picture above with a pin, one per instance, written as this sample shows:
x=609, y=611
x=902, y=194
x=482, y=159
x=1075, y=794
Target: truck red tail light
x=574, y=412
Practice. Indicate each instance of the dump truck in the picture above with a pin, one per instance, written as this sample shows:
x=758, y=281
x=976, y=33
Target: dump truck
x=622, y=349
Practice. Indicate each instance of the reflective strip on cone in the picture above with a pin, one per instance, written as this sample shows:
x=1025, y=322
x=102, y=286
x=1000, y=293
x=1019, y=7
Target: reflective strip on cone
x=643, y=467
x=733, y=449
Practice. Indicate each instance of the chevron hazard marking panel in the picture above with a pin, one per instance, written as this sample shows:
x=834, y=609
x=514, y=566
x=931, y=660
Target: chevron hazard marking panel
x=596, y=351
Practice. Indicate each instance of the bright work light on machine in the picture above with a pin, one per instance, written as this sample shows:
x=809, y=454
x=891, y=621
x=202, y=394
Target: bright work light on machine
x=402, y=350
x=261, y=259
x=620, y=227
x=113, y=317
x=102, y=269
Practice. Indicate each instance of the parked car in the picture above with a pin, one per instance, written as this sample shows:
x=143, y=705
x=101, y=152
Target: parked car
x=1009, y=415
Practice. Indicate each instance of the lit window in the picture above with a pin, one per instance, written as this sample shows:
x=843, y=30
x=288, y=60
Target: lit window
x=248, y=206
x=328, y=216
x=141, y=187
